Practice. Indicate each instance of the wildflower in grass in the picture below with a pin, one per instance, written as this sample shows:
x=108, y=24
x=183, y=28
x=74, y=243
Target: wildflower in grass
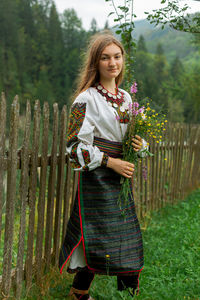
x=133, y=88
x=107, y=263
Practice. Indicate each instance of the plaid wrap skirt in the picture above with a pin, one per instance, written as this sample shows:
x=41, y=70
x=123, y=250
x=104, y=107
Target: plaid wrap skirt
x=112, y=243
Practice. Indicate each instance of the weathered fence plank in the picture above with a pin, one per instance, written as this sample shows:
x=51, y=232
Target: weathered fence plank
x=10, y=199
x=24, y=183
x=32, y=194
x=67, y=195
x=2, y=152
x=51, y=189
x=42, y=192
x=60, y=186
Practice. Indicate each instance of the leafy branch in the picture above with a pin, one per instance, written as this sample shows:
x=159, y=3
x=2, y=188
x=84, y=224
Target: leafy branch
x=176, y=17
x=123, y=17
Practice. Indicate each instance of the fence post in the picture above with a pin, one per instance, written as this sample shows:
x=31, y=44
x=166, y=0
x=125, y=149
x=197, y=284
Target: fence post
x=32, y=194
x=24, y=182
x=2, y=152
x=10, y=200
x=51, y=188
x=42, y=192
x=60, y=186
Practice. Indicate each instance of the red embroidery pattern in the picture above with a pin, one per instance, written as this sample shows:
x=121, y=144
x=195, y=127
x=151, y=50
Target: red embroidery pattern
x=75, y=122
x=86, y=157
x=105, y=160
x=123, y=116
x=75, y=163
x=116, y=101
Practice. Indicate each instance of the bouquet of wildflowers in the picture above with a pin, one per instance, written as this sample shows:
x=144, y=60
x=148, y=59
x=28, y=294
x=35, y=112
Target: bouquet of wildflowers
x=146, y=123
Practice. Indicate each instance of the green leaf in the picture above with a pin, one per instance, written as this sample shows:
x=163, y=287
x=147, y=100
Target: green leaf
x=111, y=13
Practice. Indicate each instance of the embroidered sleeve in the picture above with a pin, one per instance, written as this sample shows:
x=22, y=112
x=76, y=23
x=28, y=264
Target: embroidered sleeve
x=76, y=120
x=83, y=155
x=104, y=160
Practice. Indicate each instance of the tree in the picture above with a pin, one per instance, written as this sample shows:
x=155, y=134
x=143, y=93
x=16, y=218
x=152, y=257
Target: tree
x=93, y=26
x=106, y=26
x=192, y=91
x=141, y=46
x=56, y=54
x=74, y=35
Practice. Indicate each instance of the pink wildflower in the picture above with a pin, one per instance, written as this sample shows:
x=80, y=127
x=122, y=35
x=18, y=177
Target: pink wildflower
x=135, y=112
x=117, y=118
x=134, y=89
x=141, y=110
x=135, y=104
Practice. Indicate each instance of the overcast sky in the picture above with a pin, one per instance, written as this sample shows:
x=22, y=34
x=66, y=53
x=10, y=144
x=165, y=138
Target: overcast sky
x=99, y=9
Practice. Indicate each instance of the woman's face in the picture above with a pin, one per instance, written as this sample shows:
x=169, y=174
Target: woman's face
x=111, y=62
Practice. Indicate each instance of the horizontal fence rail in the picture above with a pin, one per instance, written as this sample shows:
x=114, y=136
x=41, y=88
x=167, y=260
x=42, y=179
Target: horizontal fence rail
x=37, y=186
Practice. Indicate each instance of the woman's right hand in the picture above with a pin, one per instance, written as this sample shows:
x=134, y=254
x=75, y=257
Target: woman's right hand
x=122, y=167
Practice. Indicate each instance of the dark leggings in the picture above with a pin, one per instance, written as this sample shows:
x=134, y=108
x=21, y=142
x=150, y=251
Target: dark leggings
x=83, y=280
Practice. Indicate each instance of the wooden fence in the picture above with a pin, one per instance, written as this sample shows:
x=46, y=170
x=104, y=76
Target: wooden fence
x=37, y=187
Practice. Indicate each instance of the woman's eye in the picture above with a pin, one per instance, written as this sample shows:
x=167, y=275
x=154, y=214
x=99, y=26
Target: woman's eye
x=118, y=57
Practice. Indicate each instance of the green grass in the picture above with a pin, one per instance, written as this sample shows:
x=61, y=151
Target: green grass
x=172, y=260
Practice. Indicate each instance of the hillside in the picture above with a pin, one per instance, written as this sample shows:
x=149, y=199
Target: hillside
x=174, y=43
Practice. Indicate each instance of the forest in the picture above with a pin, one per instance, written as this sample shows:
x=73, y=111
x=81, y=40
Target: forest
x=41, y=52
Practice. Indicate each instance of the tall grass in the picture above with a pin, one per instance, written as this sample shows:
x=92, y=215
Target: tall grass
x=172, y=260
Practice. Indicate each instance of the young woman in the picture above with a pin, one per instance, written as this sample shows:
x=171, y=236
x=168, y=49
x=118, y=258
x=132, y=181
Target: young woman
x=99, y=240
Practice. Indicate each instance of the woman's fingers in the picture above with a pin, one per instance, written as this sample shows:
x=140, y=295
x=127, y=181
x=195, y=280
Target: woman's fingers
x=138, y=137
x=122, y=167
x=137, y=143
x=130, y=165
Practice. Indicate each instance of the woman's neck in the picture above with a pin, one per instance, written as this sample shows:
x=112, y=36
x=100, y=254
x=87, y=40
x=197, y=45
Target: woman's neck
x=109, y=85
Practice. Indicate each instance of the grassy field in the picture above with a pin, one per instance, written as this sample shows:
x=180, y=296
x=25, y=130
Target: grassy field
x=172, y=260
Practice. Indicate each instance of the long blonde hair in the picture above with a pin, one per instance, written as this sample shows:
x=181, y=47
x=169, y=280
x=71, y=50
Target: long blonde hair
x=89, y=73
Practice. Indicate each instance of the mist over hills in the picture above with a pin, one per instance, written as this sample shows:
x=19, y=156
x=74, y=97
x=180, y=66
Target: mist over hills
x=174, y=43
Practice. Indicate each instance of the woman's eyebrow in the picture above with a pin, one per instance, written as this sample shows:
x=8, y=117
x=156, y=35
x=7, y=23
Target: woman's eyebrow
x=105, y=54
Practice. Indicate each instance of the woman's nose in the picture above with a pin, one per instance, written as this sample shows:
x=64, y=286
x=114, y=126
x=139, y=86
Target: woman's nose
x=112, y=61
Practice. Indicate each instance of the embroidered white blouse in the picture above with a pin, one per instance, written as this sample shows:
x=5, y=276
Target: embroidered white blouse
x=93, y=116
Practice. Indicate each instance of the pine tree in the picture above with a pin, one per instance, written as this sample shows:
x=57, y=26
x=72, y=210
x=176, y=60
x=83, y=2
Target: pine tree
x=55, y=54
x=141, y=45
x=93, y=26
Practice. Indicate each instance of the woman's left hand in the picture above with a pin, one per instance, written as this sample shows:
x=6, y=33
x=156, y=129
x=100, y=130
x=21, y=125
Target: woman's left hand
x=137, y=143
